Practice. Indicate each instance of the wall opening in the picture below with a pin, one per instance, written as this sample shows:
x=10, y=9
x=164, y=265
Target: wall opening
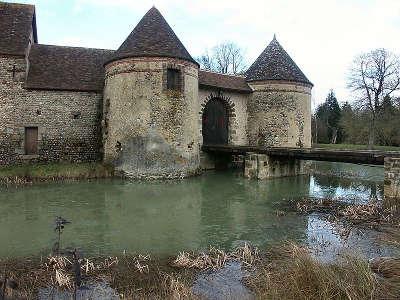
x=173, y=79
x=215, y=123
x=31, y=140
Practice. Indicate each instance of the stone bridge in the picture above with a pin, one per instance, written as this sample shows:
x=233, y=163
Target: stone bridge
x=262, y=163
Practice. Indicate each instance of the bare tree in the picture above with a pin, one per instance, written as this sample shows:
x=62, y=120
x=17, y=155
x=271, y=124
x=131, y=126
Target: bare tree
x=206, y=62
x=226, y=58
x=374, y=76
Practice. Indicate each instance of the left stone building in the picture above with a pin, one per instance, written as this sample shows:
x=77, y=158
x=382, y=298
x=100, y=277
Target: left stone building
x=146, y=107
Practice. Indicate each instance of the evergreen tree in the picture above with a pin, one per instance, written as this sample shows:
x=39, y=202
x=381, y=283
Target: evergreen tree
x=328, y=117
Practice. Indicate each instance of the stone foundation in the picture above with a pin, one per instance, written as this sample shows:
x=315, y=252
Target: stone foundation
x=392, y=178
x=262, y=166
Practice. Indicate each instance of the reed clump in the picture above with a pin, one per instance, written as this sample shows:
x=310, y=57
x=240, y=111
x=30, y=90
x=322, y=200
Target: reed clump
x=216, y=258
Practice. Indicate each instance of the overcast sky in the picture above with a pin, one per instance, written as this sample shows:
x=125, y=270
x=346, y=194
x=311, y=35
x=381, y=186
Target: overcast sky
x=321, y=36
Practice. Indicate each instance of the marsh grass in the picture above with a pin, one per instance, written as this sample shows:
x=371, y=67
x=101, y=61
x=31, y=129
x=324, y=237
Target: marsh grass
x=25, y=174
x=286, y=271
x=290, y=272
x=373, y=214
x=154, y=279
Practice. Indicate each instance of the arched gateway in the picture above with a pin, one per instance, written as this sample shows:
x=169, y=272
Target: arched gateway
x=215, y=123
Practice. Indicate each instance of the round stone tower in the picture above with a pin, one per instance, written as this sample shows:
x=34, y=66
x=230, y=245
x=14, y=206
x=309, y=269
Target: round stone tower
x=279, y=109
x=150, y=104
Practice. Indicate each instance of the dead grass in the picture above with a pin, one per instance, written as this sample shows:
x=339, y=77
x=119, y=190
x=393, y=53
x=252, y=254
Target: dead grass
x=287, y=271
x=133, y=277
x=290, y=272
x=373, y=214
x=26, y=174
x=216, y=259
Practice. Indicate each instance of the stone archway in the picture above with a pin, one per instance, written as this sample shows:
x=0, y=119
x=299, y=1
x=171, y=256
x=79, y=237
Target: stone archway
x=221, y=103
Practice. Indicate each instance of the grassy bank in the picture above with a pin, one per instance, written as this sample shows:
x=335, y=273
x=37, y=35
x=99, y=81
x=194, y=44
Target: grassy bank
x=354, y=147
x=54, y=172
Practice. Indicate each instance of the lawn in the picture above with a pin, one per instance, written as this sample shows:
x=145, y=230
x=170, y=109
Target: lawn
x=354, y=147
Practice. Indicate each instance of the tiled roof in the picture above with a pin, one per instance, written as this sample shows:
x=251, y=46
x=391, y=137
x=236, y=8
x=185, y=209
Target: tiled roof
x=275, y=64
x=66, y=68
x=16, y=21
x=153, y=37
x=223, y=81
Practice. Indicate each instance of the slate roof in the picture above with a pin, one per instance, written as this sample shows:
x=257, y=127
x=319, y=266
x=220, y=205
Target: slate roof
x=16, y=21
x=223, y=81
x=66, y=68
x=275, y=64
x=153, y=36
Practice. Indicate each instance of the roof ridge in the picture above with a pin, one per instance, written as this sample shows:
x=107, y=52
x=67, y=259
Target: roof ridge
x=75, y=47
x=225, y=74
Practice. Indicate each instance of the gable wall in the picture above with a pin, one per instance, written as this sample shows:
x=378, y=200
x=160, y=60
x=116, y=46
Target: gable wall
x=61, y=137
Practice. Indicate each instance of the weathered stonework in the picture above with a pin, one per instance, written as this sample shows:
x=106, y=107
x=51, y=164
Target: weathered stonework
x=279, y=114
x=392, y=178
x=149, y=131
x=262, y=166
x=67, y=121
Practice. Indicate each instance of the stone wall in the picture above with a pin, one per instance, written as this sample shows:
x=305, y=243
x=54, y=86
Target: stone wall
x=392, y=178
x=279, y=114
x=68, y=122
x=150, y=131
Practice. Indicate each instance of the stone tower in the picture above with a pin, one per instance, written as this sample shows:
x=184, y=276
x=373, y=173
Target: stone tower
x=279, y=109
x=150, y=104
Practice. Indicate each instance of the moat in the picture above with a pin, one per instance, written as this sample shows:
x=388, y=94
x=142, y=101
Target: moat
x=222, y=209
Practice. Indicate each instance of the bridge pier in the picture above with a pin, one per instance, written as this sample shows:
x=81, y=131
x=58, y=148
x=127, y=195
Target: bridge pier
x=263, y=166
x=392, y=180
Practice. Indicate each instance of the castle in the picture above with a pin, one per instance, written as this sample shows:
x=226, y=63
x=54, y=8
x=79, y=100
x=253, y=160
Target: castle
x=146, y=108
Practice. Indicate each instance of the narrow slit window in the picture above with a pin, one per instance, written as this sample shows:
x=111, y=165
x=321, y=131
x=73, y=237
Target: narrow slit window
x=173, y=79
x=31, y=140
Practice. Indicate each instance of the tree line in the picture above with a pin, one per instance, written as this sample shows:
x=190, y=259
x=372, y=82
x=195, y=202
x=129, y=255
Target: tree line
x=335, y=123
x=373, y=116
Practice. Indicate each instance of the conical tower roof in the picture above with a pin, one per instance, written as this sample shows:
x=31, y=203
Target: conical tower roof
x=152, y=36
x=275, y=64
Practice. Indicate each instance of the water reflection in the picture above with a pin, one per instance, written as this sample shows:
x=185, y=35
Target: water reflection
x=220, y=209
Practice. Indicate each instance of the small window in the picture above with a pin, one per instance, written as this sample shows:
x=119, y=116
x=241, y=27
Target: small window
x=173, y=79
x=31, y=140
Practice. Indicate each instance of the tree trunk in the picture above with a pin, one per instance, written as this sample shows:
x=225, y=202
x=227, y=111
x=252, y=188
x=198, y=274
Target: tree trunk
x=334, y=135
x=372, y=131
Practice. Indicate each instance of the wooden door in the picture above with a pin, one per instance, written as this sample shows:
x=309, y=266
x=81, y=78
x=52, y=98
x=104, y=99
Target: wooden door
x=31, y=140
x=215, y=123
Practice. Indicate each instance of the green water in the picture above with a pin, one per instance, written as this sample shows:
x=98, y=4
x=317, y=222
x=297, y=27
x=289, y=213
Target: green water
x=218, y=208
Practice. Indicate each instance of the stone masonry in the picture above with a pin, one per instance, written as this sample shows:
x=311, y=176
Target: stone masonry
x=262, y=166
x=150, y=131
x=392, y=178
x=67, y=121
